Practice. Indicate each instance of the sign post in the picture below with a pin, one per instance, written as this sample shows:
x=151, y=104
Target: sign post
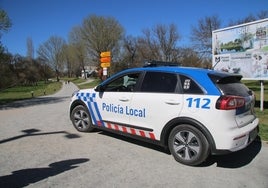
x=105, y=60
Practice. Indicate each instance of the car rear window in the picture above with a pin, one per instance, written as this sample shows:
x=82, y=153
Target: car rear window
x=230, y=85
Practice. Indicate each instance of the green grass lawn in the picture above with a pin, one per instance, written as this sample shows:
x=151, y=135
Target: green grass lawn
x=74, y=80
x=92, y=84
x=262, y=115
x=26, y=92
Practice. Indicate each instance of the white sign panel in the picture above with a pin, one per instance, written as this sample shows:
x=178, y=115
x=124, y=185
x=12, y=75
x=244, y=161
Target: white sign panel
x=242, y=49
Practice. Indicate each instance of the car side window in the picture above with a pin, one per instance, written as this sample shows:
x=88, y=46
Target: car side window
x=189, y=86
x=125, y=83
x=159, y=82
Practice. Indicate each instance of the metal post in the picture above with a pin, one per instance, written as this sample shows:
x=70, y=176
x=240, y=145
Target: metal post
x=105, y=73
x=261, y=95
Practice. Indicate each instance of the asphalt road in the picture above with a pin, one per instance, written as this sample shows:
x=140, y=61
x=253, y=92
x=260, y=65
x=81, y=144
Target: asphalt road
x=40, y=148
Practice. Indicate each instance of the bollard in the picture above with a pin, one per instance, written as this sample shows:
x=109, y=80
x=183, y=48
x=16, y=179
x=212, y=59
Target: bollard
x=32, y=93
x=44, y=92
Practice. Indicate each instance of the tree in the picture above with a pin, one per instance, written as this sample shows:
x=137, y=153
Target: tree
x=101, y=34
x=45, y=71
x=159, y=43
x=5, y=22
x=5, y=25
x=130, y=46
x=168, y=37
x=51, y=52
x=189, y=58
x=77, y=50
x=201, y=35
x=6, y=71
x=262, y=14
x=30, y=48
x=250, y=18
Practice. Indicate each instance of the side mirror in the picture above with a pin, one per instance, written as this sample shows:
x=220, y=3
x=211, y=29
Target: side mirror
x=100, y=88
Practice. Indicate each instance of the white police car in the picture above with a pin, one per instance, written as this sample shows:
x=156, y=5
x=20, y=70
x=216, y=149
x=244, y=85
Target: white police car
x=194, y=112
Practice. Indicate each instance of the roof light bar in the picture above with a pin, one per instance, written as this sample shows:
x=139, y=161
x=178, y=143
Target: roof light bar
x=153, y=63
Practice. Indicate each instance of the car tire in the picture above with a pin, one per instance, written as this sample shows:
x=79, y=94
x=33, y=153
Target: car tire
x=188, y=145
x=81, y=119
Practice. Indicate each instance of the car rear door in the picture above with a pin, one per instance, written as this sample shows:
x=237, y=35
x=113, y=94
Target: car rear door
x=156, y=102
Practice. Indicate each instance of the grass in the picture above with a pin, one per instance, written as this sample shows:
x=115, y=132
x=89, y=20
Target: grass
x=76, y=81
x=262, y=115
x=26, y=92
x=92, y=84
x=81, y=83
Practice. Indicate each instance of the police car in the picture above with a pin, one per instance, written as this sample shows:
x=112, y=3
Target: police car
x=193, y=112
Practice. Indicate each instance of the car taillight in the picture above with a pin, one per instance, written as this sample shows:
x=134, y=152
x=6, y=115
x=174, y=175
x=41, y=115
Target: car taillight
x=230, y=102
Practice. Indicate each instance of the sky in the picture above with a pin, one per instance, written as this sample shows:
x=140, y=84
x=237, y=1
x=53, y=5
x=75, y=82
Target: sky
x=41, y=19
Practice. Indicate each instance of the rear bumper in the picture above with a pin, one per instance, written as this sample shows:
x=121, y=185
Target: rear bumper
x=246, y=140
x=238, y=139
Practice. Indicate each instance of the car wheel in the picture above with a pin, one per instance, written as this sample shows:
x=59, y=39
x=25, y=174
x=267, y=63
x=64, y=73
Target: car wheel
x=81, y=119
x=188, y=145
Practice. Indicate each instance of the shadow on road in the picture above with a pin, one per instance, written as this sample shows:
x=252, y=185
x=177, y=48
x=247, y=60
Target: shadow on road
x=32, y=102
x=24, y=177
x=233, y=160
x=36, y=132
x=135, y=141
x=237, y=159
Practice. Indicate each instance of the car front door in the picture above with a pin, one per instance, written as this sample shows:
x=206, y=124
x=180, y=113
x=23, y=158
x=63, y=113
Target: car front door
x=114, y=99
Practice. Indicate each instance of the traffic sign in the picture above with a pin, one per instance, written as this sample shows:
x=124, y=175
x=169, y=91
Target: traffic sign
x=105, y=65
x=105, y=59
x=105, y=54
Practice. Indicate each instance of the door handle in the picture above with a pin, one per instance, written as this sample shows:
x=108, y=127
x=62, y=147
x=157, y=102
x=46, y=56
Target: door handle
x=172, y=102
x=124, y=99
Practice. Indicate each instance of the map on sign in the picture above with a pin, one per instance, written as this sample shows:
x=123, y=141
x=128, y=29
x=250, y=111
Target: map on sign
x=242, y=49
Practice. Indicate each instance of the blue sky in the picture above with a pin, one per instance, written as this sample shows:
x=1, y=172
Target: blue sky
x=41, y=19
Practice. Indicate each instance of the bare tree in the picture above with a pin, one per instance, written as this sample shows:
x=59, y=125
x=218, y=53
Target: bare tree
x=201, y=35
x=189, y=57
x=51, y=52
x=78, y=48
x=168, y=37
x=30, y=48
x=263, y=14
x=250, y=18
x=148, y=47
x=130, y=45
x=101, y=34
x=159, y=43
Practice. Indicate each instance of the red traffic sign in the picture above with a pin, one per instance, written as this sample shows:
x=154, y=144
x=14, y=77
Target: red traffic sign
x=105, y=59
